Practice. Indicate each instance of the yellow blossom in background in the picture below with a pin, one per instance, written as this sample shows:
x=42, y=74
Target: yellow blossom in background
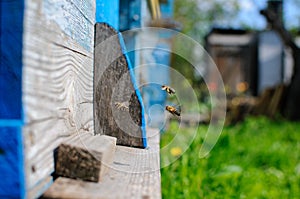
x=228, y=89
x=235, y=101
x=176, y=151
x=242, y=87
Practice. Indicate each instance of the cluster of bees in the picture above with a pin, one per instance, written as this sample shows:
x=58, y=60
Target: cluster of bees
x=170, y=109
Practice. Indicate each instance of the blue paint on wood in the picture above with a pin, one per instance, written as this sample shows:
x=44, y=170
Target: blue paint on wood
x=130, y=14
x=124, y=15
x=154, y=96
x=11, y=123
x=11, y=115
x=161, y=55
x=130, y=42
x=11, y=163
x=11, y=28
x=158, y=71
x=167, y=8
x=107, y=11
x=75, y=18
x=135, y=86
x=130, y=18
x=135, y=8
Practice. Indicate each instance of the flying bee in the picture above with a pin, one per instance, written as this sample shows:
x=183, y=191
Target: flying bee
x=121, y=106
x=173, y=110
x=168, y=89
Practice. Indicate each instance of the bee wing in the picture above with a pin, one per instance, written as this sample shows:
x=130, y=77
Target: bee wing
x=177, y=113
x=171, y=90
x=117, y=104
x=179, y=108
x=121, y=106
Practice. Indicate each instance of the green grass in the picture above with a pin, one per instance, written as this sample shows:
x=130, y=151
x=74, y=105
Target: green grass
x=258, y=158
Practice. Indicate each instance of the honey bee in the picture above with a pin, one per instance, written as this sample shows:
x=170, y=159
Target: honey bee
x=121, y=106
x=168, y=89
x=173, y=110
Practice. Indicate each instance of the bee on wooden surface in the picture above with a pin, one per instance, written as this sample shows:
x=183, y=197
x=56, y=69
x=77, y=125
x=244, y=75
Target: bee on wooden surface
x=173, y=110
x=121, y=106
x=168, y=89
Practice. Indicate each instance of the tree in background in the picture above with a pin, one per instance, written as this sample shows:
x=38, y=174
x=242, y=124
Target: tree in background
x=197, y=18
x=290, y=106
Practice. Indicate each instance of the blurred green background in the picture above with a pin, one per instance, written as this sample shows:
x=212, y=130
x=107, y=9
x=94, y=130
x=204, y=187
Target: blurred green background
x=257, y=158
x=254, y=158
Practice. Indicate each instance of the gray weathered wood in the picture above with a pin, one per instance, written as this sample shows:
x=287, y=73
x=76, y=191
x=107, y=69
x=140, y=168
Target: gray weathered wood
x=86, y=158
x=113, y=84
x=57, y=82
x=134, y=174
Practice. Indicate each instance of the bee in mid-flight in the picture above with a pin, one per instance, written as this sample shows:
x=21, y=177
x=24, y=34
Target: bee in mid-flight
x=173, y=110
x=168, y=89
x=121, y=106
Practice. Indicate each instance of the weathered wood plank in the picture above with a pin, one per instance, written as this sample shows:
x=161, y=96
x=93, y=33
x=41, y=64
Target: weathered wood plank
x=86, y=158
x=75, y=18
x=57, y=83
x=135, y=173
x=113, y=83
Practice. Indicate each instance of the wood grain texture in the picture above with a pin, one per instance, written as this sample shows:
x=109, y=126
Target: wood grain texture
x=57, y=89
x=135, y=174
x=113, y=84
x=72, y=16
x=86, y=158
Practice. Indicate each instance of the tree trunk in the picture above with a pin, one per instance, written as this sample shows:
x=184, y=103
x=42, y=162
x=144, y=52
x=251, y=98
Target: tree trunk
x=290, y=109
